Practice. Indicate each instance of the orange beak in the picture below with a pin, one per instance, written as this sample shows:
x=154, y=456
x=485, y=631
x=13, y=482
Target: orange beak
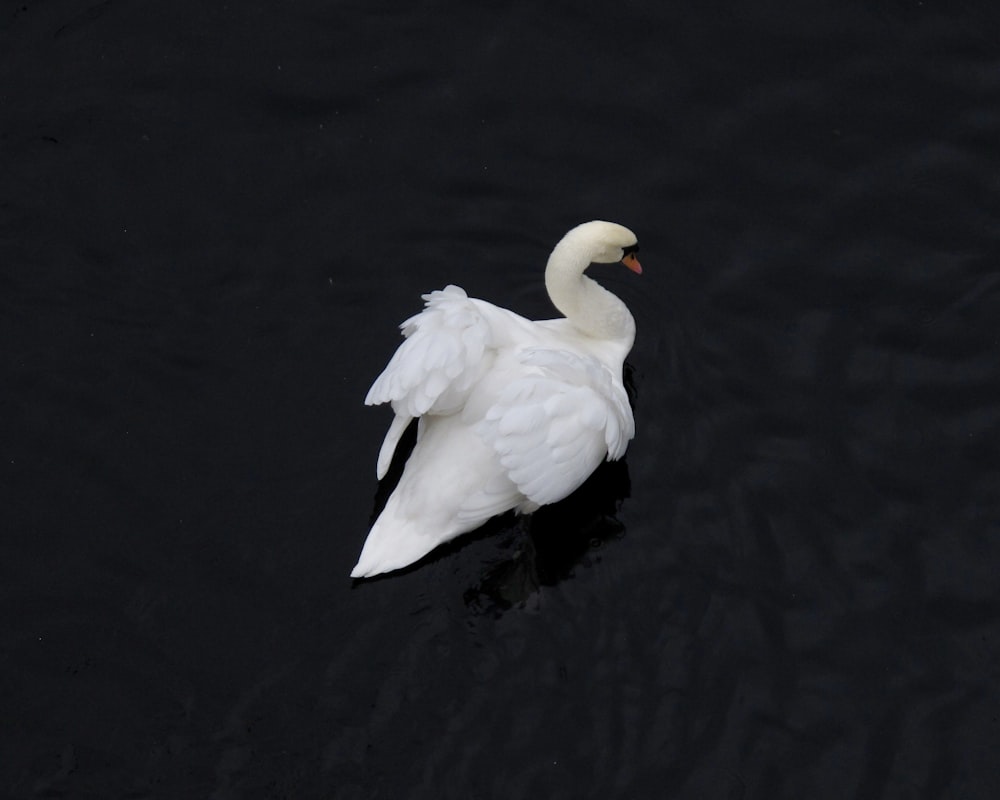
x=632, y=263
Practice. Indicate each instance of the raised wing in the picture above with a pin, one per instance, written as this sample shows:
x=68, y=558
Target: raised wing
x=442, y=357
x=552, y=427
x=447, y=349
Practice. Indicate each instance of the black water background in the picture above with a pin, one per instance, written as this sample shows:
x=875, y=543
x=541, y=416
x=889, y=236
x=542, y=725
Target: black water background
x=213, y=215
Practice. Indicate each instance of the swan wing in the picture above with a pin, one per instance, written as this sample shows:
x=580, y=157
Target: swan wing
x=448, y=347
x=554, y=423
x=441, y=358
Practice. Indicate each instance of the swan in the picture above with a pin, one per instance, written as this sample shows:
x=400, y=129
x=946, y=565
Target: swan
x=512, y=413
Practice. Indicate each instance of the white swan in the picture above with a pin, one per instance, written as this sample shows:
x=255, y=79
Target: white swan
x=513, y=413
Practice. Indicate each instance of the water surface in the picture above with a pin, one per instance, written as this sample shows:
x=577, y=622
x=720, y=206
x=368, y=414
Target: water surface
x=214, y=215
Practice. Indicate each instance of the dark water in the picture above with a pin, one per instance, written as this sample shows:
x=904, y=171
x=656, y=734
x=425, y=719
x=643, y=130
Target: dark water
x=212, y=216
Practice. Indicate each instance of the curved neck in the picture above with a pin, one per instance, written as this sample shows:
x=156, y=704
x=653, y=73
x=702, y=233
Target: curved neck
x=591, y=308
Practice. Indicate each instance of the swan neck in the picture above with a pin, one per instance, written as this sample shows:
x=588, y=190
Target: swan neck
x=591, y=308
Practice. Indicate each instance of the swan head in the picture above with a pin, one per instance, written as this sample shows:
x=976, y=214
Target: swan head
x=604, y=243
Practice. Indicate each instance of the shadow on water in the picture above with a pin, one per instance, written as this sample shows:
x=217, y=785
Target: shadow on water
x=554, y=541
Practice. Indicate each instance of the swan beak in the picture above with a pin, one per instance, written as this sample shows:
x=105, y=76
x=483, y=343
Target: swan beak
x=632, y=263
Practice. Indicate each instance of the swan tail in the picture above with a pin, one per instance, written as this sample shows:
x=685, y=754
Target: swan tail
x=393, y=544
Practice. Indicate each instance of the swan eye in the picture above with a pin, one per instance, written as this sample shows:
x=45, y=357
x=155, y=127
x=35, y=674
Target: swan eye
x=632, y=248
